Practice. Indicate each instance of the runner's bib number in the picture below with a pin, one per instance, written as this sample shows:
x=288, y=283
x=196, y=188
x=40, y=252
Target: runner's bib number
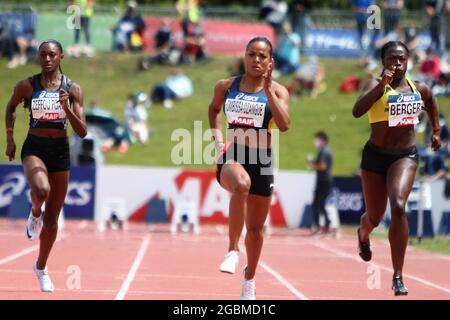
x=46, y=107
x=245, y=113
x=404, y=109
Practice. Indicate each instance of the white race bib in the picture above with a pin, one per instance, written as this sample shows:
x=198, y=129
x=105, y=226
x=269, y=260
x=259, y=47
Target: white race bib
x=46, y=108
x=404, y=109
x=245, y=113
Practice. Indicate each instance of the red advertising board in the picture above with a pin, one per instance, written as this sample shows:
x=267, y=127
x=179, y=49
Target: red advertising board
x=227, y=37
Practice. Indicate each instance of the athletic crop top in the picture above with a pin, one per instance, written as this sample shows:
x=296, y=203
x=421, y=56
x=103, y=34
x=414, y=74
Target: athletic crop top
x=398, y=109
x=44, y=106
x=247, y=110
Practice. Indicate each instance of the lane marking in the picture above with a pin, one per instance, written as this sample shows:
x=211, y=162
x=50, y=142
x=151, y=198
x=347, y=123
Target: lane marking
x=343, y=254
x=283, y=281
x=134, y=268
x=19, y=254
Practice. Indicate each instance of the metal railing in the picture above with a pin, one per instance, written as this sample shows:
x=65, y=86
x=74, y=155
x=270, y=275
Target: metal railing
x=323, y=18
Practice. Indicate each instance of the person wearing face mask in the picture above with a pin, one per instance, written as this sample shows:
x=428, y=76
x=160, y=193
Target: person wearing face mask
x=322, y=164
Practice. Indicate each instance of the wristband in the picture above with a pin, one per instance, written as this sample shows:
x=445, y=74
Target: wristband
x=436, y=129
x=9, y=130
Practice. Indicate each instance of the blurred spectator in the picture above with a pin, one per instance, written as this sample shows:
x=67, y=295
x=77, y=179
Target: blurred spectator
x=86, y=12
x=238, y=67
x=17, y=47
x=105, y=129
x=165, y=51
x=136, y=114
x=287, y=53
x=274, y=12
x=7, y=42
x=435, y=72
x=300, y=10
x=128, y=34
x=25, y=47
x=391, y=12
x=322, y=164
x=435, y=10
x=189, y=13
x=177, y=86
x=310, y=78
x=430, y=68
x=434, y=166
x=195, y=45
x=360, y=9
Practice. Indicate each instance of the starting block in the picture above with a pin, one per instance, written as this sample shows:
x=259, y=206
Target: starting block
x=185, y=218
x=113, y=215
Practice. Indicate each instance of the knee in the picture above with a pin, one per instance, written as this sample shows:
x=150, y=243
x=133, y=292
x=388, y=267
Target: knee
x=242, y=186
x=41, y=192
x=398, y=207
x=50, y=222
x=374, y=222
x=255, y=232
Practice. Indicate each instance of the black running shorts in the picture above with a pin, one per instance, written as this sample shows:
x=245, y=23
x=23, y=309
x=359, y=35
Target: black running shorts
x=256, y=162
x=378, y=160
x=54, y=152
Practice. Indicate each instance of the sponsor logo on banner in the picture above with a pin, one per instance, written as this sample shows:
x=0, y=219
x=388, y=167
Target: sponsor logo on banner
x=80, y=198
x=11, y=184
x=348, y=197
x=200, y=187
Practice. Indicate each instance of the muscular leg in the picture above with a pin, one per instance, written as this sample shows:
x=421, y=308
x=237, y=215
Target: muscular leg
x=375, y=199
x=37, y=178
x=400, y=179
x=58, y=182
x=236, y=180
x=257, y=210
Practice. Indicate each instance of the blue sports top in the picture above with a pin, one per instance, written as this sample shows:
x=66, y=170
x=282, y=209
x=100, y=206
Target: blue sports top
x=247, y=110
x=44, y=106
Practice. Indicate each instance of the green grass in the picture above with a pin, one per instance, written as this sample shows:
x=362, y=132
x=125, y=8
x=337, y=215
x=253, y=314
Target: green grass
x=109, y=78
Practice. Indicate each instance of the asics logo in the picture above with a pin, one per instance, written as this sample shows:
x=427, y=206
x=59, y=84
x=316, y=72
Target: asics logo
x=245, y=97
x=406, y=98
x=45, y=94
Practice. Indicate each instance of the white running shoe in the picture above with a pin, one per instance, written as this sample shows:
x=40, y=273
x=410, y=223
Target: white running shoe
x=44, y=279
x=248, y=291
x=230, y=262
x=33, y=226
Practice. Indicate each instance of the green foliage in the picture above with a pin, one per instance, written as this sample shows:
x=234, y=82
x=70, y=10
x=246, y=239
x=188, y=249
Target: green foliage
x=335, y=4
x=109, y=78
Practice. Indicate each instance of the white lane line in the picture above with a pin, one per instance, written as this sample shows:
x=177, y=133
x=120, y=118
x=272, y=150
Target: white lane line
x=343, y=254
x=275, y=274
x=134, y=268
x=283, y=281
x=220, y=230
x=19, y=254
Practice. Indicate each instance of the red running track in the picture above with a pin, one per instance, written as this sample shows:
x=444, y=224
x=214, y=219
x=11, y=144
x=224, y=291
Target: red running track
x=147, y=262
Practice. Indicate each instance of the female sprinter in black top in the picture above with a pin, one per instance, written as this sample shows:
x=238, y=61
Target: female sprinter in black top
x=53, y=100
x=390, y=158
x=253, y=104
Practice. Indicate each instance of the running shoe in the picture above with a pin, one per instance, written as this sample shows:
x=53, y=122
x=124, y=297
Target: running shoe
x=364, y=249
x=398, y=287
x=230, y=262
x=248, y=291
x=33, y=226
x=44, y=279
